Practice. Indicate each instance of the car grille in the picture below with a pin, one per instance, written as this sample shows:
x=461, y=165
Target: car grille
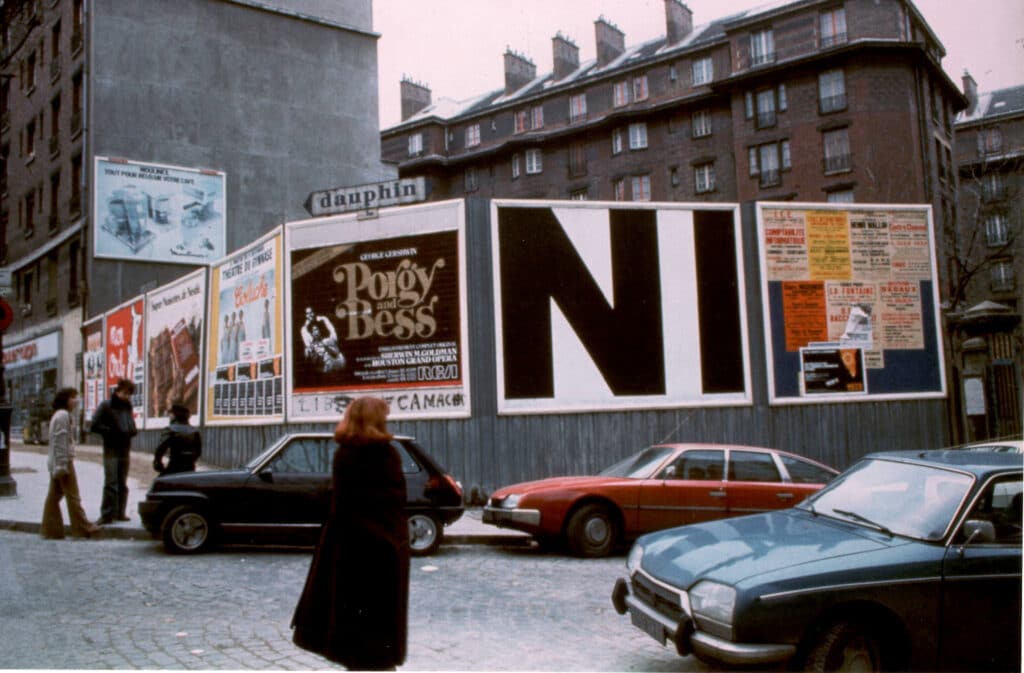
x=662, y=599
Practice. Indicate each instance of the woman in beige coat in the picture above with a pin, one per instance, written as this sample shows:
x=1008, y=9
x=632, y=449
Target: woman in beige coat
x=61, y=463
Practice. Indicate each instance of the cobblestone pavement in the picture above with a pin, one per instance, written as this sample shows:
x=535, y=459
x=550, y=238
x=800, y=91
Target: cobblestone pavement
x=90, y=604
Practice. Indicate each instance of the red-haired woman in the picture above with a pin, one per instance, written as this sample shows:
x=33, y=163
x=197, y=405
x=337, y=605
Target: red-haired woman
x=354, y=607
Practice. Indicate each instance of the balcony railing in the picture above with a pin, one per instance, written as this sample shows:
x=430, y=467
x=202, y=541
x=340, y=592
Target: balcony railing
x=54, y=145
x=770, y=178
x=762, y=59
x=838, y=163
x=766, y=119
x=54, y=69
x=832, y=103
x=832, y=40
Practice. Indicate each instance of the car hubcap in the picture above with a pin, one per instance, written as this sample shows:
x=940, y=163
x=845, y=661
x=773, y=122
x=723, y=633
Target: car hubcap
x=857, y=658
x=422, y=532
x=189, y=531
x=596, y=531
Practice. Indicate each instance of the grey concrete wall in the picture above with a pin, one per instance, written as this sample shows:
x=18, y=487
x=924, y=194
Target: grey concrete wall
x=284, y=106
x=354, y=13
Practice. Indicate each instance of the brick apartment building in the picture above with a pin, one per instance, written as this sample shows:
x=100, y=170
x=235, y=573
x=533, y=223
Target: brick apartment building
x=987, y=259
x=193, y=83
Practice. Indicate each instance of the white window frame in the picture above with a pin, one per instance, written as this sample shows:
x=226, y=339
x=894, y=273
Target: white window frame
x=620, y=93
x=472, y=135
x=577, y=107
x=616, y=141
x=831, y=90
x=534, y=162
x=640, y=88
x=415, y=144
x=1002, y=276
x=762, y=47
x=619, y=189
x=537, y=117
x=515, y=166
x=638, y=136
x=748, y=105
x=519, y=120
x=701, y=126
x=703, y=71
x=833, y=27
x=640, y=187
x=997, y=230
x=835, y=144
x=704, y=178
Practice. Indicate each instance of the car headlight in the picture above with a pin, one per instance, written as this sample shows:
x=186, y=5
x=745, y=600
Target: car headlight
x=714, y=601
x=636, y=555
x=511, y=502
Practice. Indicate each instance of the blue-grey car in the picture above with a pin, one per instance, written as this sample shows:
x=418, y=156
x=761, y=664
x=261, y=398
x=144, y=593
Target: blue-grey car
x=908, y=560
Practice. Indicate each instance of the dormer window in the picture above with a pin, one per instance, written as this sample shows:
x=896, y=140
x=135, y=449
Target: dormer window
x=640, y=88
x=833, y=28
x=472, y=135
x=703, y=71
x=762, y=47
x=577, y=107
x=415, y=144
x=537, y=117
x=520, y=121
x=620, y=94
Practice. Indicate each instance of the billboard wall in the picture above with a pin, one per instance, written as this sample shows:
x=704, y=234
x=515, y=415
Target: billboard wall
x=124, y=327
x=94, y=367
x=618, y=306
x=378, y=307
x=245, y=358
x=174, y=346
x=851, y=302
x=148, y=212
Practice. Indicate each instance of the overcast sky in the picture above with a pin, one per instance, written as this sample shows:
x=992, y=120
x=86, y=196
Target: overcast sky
x=456, y=46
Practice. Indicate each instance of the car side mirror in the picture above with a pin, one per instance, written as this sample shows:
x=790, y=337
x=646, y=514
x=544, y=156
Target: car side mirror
x=267, y=475
x=978, y=530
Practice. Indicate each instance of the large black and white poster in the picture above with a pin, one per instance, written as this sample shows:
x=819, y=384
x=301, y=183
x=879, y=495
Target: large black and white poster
x=602, y=307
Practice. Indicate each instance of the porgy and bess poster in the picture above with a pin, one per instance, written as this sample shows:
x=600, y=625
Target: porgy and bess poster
x=850, y=295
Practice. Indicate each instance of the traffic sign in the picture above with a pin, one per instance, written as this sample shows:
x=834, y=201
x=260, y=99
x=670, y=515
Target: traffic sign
x=6, y=315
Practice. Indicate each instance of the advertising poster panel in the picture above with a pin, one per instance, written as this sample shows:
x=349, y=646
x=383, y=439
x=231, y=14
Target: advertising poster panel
x=378, y=307
x=94, y=367
x=125, y=355
x=156, y=213
x=174, y=346
x=626, y=306
x=245, y=357
x=851, y=302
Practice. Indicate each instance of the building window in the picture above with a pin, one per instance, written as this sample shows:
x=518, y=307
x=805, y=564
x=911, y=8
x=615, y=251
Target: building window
x=577, y=159
x=992, y=187
x=997, y=230
x=471, y=179
x=672, y=74
x=54, y=118
x=783, y=103
x=833, y=27
x=673, y=176
x=30, y=71
x=415, y=144
x=748, y=105
x=640, y=88
x=619, y=189
x=515, y=166
x=537, y=117
x=577, y=107
x=74, y=254
x=762, y=47
x=786, y=161
x=703, y=71
x=29, y=220
x=638, y=136
x=617, y=141
x=26, y=291
x=54, y=198
x=831, y=91
x=837, y=150
x=641, y=187
x=701, y=123
x=579, y=195
x=840, y=196
x=620, y=93
x=704, y=178
x=765, y=108
x=534, y=162
x=520, y=121
x=990, y=141
x=75, y=204
x=764, y=162
x=472, y=135
x=1002, y=276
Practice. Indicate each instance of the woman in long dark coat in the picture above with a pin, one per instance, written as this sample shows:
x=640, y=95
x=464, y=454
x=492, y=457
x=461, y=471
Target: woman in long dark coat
x=354, y=607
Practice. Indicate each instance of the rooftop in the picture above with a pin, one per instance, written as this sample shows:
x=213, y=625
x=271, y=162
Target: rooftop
x=995, y=103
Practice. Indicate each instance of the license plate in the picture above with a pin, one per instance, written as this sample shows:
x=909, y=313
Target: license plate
x=651, y=627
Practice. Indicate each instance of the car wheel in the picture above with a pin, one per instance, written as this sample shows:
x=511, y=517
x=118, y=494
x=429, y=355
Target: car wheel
x=592, y=531
x=425, y=533
x=845, y=646
x=187, y=530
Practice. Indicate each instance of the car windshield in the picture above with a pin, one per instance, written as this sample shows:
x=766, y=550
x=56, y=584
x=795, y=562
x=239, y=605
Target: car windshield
x=640, y=465
x=896, y=498
x=263, y=455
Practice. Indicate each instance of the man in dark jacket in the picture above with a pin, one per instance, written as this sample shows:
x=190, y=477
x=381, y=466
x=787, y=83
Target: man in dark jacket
x=181, y=441
x=113, y=421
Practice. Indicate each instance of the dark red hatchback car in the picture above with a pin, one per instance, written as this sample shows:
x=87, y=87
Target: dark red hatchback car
x=660, y=487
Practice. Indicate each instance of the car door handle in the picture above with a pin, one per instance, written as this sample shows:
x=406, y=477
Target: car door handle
x=784, y=496
x=717, y=494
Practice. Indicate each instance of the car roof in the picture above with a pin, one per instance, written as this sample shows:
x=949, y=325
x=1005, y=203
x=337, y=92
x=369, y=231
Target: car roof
x=981, y=463
x=690, y=446
x=996, y=445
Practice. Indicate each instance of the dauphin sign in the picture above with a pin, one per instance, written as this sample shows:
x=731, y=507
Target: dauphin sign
x=366, y=197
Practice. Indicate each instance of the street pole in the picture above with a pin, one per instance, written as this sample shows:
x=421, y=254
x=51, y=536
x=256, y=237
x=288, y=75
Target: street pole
x=8, y=487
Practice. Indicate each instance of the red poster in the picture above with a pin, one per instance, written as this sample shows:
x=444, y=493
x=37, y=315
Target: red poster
x=124, y=351
x=804, y=315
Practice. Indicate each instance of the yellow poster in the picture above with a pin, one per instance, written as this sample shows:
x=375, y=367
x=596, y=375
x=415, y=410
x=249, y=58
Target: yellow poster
x=828, y=245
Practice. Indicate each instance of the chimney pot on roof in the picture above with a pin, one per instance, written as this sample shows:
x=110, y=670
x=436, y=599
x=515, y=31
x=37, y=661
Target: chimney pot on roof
x=611, y=41
x=678, y=21
x=415, y=97
x=519, y=71
x=971, y=91
x=566, y=56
